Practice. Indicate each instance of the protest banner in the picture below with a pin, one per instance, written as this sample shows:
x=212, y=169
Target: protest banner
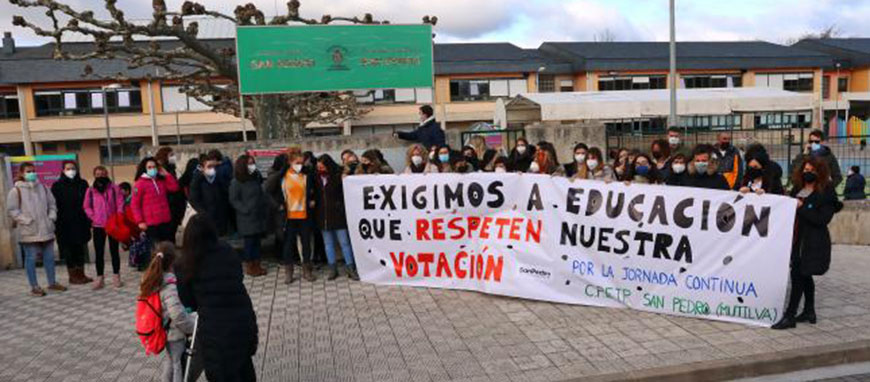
x=701, y=253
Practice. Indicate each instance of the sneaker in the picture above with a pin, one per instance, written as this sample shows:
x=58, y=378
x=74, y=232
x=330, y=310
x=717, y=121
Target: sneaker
x=37, y=291
x=57, y=287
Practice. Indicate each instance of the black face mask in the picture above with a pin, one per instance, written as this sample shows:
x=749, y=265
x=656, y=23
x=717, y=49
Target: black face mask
x=725, y=145
x=754, y=173
x=810, y=177
x=657, y=155
x=352, y=166
x=101, y=183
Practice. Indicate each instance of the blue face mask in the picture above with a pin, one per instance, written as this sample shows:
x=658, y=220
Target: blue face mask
x=152, y=172
x=641, y=170
x=701, y=167
x=31, y=177
x=815, y=146
x=444, y=158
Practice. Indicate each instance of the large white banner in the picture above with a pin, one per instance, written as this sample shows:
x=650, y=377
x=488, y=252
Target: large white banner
x=701, y=253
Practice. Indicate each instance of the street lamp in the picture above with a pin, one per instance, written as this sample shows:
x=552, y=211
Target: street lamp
x=105, y=88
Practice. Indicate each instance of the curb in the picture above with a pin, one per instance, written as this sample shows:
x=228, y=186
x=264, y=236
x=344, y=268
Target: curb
x=748, y=366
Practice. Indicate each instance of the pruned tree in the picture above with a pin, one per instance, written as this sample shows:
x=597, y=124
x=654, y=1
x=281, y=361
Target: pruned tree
x=206, y=69
x=604, y=35
x=831, y=31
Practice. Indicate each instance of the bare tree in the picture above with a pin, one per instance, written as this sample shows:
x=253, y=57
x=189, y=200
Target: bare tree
x=831, y=31
x=207, y=69
x=604, y=35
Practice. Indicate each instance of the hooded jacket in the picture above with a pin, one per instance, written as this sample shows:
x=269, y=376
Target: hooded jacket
x=100, y=205
x=150, y=203
x=428, y=134
x=34, y=212
x=72, y=226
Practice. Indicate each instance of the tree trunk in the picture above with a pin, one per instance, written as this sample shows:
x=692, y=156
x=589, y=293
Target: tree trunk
x=268, y=118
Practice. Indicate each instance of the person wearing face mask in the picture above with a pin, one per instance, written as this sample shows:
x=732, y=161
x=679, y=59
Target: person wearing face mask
x=677, y=176
x=816, y=148
x=331, y=217
x=417, y=161
x=661, y=153
x=702, y=170
x=73, y=228
x=485, y=155
x=249, y=201
x=855, y=185
x=577, y=168
x=620, y=164
x=500, y=164
x=642, y=170
x=150, y=201
x=469, y=155
x=372, y=163
x=545, y=164
x=522, y=156
x=445, y=159
x=32, y=208
x=349, y=162
x=730, y=162
x=167, y=160
x=103, y=200
x=294, y=192
x=759, y=179
x=675, y=142
x=597, y=168
x=811, y=247
x=428, y=133
x=209, y=195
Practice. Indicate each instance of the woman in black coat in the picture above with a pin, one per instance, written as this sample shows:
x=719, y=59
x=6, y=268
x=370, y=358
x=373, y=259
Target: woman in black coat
x=760, y=175
x=72, y=226
x=521, y=156
x=249, y=201
x=210, y=282
x=811, y=249
x=330, y=215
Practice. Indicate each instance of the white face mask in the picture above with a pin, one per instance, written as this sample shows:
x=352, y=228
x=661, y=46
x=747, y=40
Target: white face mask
x=534, y=167
x=252, y=168
x=592, y=163
x=521, y=149
x=579, y=158
x=210, y=172
x=70, y=173
x=674, y=140
x=297, y=167
x=431, y=155
x=172, y=159
x=500, y=170
x=416, y=160
x=678, y=168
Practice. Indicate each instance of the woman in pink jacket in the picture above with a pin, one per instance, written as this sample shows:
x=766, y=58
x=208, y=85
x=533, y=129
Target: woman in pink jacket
x=102, y=200
x=150, y=203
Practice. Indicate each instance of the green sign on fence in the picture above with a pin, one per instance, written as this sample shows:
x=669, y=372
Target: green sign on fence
x=286, y=59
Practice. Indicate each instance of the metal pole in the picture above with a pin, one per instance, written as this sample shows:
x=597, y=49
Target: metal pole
x=108, y=133
x=155, y=140
x=673, y=72
x=25, y=124
x=242, y=116
x=177, y=129
x=837, y=100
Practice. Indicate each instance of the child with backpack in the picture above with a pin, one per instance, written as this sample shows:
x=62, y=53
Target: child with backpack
x=171, y=327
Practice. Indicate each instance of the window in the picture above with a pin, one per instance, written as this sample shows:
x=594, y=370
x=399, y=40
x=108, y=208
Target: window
x=842, y=84
x=802, y=82
x=826, y=87
x=782, y=120
x=49, y=147
x=712, y=81
x=632, y=83
x=125, y=151
x=86, y=101
x=73, y=146
x=168, y=140
x=566, y=86
x=222, y=137
x=12, y=149
x=546, y=83
x=485, y=89
x=8, y=106
x=386, y=96
x=175, y=100
x=711, y=122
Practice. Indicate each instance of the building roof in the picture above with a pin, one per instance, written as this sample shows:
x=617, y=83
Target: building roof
x=492, y=58
x=848, y=51
x=742, y=55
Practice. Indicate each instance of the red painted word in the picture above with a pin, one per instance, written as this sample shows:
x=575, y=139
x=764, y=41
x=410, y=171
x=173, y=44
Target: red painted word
x=477, y=267
x=518, y=229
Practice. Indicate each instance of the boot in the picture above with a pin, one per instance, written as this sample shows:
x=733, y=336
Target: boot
x=808, y=315
x=307, y=273
x=57, y=287
x=99, y=283
x=333, y=272
x=76, y=277
x=85, y=277
x=258, y=268
x=288, y=274
x=246, y=266
x=351, y=273
x=787, y=322
x=116, y=281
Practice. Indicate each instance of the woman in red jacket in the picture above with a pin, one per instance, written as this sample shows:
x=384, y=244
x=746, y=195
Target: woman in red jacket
x=150, y=203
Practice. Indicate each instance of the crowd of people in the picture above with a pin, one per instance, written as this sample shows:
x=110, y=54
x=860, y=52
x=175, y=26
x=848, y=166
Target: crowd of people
x=301, y=197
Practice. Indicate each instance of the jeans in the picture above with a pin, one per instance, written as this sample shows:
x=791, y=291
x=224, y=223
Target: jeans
x=294, y=228
x=74, y=254
x=172, y=371
x=252, y=248
x=340, y=235
x=100, y=252
x=30, y=252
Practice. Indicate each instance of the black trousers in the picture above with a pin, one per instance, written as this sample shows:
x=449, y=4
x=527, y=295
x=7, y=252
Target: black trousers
x=75, y=254
x=162, y=232
x=100, y=252
x=801, y=286
x=293, y=229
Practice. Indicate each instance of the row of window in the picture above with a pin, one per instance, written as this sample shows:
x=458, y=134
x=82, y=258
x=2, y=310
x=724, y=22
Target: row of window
x=795, y=82
x=486, y=89
x=409, y=95
x=632, y=83
x=842, y=86
x=86, y=101
x=712, y=81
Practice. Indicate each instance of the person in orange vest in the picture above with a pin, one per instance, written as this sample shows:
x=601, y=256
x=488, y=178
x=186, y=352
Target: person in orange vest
x=729, y=159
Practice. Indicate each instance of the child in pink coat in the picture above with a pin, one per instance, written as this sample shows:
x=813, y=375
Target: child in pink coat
x=102, y=200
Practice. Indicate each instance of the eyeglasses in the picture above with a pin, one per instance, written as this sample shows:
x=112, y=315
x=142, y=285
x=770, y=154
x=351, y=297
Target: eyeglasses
x=815, y=141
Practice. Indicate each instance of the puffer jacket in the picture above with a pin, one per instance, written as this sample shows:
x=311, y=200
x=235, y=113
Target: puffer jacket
x=100, y=205
x=34, y=212
x=180, y=323
x=150, y=203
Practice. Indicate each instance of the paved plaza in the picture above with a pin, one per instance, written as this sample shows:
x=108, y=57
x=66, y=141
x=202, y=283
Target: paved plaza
x=349, y=331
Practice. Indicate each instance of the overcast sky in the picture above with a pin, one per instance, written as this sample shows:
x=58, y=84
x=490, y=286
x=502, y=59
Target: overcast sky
x=529, y=22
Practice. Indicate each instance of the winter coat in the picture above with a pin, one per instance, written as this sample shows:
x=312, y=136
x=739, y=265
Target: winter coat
x=150, y=203
x=227, y=322
x=72, y=226
x=211, y=198
x=177, y=199
x=674, y=179
x=31, y=205
x=730, y=165
x=329, y=211
x=428, y=168
x=769, y=184
x=855, y=185
x=252, y=207
x=520, y=162
x=830, y=159
x=574, y=168
x=428, y=134
x=100, y=205
x=710, y=181
x=180, y=323
x=604, y=173
x=811, y=250
x=275, y=190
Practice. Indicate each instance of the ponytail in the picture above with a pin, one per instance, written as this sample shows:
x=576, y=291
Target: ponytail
x=161, y=260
